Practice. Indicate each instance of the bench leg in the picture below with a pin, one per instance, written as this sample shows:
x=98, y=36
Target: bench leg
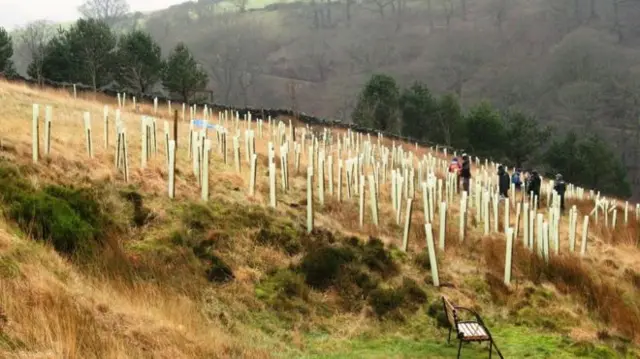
x=449, y=339
x=459, y=349
x=490, y=348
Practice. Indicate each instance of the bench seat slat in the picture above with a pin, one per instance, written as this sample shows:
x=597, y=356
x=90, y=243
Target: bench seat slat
x=472, y=331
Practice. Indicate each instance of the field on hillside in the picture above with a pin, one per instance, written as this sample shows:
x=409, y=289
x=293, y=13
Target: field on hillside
x=93, y=267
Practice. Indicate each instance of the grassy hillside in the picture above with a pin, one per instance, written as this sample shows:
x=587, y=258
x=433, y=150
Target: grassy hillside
x=92, y=267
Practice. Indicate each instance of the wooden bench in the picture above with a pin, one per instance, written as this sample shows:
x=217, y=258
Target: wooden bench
x=468, y=331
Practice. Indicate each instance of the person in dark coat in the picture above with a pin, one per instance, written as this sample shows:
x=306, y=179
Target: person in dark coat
x=560, y=187
x=534, y=185
x=503, y=182
x=465, y=172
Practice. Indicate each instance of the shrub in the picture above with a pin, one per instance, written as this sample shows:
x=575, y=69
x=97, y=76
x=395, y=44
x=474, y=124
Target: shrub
x=178, y=238
x=140, y=214
x=283, y=237
x=202, y=249
x=197, y=217
x=219, y=271
x=390, y=300
x=633, y=277
x=383, y=300
x=54, y=219
x=377, y=258
x=422, y=260
x=413, y=292
x=354, y=285
x=285, y=291
x=322, y=266
x=436, y=311
x=12, y=183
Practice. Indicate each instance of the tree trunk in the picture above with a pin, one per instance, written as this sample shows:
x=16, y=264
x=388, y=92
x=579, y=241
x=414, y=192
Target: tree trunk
x=430, y=11
x=328, y=13
x=316, y=18
x=592, y=10
x=464, y=9
x=617, y=27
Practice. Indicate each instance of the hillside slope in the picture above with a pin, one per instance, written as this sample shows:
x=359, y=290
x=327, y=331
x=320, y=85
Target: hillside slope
x=230, y=277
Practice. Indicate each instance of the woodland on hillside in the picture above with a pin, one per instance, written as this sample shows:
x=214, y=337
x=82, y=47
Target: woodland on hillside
x=570, y=63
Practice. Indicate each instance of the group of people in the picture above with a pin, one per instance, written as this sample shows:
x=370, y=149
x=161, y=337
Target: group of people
x=532, y=180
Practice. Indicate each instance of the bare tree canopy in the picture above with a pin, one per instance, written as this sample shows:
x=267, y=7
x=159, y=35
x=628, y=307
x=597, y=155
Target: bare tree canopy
x=35, y=37
x=241, y=5
x=108, y=11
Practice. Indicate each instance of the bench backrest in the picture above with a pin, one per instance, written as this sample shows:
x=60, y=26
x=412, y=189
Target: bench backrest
x=450, y=310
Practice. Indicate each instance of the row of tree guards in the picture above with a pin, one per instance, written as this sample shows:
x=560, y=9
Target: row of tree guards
x=360, y=160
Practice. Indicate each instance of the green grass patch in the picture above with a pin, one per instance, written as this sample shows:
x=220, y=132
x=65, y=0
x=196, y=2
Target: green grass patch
x=513, y=342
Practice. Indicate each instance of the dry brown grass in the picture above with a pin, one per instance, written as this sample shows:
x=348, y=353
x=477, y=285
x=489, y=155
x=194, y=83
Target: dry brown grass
x=571, y=276
x=53, y=310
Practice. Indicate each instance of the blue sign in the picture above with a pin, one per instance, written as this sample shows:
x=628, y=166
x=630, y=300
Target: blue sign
x=200, y=123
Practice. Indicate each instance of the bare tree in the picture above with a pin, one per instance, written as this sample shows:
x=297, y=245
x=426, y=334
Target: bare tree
x=430, y=14
x=108, y=11
x=321, y=10
x=500, y=9
x=617, y=24
x=399, y=7
x=463, y=5
x=448, y=7
x=348, y=10
x=241, y=5
x=35, y=37
x=461, y=57
x=378, y=5
x=593, y=14
x=372, y=48
x=239, y=52
x=318, y=55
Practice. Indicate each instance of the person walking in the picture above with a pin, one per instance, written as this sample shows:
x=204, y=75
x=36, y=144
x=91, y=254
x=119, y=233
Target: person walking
x=534, y=185
x=560, y=187
x=465, y=172
x=503, y=182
